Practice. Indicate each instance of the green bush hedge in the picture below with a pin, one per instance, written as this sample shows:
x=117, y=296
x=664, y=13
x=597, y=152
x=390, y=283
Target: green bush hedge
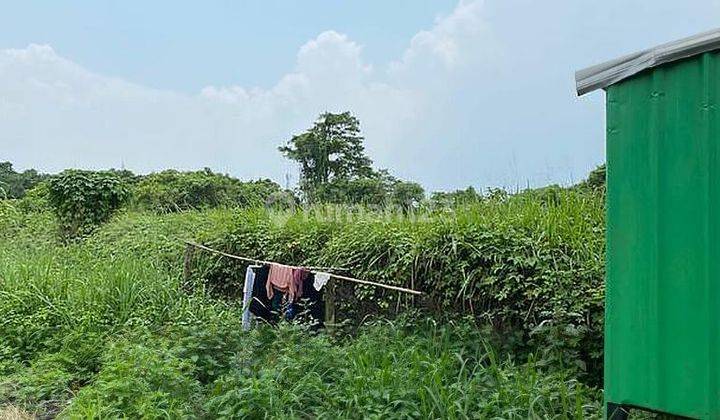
x=171, y=190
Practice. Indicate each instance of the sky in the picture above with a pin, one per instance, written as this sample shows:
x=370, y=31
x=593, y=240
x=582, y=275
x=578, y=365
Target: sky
x=450, y=94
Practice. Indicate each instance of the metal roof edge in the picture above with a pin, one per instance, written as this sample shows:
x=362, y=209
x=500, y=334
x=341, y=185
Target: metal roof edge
x=603, y=75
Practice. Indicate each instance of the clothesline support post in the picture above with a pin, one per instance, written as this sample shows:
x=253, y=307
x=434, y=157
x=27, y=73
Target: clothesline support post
x=329, y=297
x=187, y=263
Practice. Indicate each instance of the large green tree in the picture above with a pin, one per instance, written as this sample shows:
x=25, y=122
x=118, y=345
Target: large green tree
x=331, y=150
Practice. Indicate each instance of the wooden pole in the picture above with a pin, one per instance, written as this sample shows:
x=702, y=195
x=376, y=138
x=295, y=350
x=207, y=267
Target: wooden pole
x=337, y=276
x=329, y=297
x=256, y=261
x=187, y=263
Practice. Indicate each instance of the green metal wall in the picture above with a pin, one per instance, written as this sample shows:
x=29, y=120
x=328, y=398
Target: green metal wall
x=662, y=338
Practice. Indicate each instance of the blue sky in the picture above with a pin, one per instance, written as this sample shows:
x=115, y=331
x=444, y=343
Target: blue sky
x=449, y=93
x=186, y=45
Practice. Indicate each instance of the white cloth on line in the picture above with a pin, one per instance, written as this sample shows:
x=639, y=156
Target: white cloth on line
x=321, y=280
x=247, y=296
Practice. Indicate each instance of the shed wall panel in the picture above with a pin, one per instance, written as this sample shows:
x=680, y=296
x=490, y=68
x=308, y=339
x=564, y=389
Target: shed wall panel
x=663, y=239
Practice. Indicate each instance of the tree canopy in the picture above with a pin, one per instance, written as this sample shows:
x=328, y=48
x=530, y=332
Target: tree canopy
x=332, y=149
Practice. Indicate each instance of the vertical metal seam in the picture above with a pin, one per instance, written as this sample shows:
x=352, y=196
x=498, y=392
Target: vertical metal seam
x=708, y=108
x=656, y=144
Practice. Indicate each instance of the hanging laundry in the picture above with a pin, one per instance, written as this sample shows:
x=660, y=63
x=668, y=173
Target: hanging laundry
x=288, y=280
x=261, y=306
x=312, y=304
x=299, y=276
x=321, y=280
x=247, y=295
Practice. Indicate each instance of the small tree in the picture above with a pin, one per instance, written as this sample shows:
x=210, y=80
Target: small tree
x=82, y=200
x=331, y=150
x=407, y=195
x=469, y=195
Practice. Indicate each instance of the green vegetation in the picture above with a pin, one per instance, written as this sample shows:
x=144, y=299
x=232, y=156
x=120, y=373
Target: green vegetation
x=331, y=150
x=82, y=200
x=172, y=190
x=335, y=169
x=107, y=327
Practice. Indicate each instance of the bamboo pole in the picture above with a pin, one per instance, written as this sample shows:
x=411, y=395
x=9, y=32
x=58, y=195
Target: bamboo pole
x=337, y=276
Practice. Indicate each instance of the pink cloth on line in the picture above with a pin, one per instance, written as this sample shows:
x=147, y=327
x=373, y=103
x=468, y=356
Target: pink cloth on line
x=286, y=279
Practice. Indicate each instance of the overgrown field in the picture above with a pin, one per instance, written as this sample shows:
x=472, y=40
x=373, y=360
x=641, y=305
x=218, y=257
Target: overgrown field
x=509, y=325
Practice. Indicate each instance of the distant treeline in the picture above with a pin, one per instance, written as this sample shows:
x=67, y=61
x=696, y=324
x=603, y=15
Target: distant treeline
x=15, y=184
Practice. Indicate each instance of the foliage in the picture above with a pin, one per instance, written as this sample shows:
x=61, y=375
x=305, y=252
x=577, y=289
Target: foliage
x=377, y=190
x=281, y=200
x=36, y=199
x=137, y=381
x=596, y=179
x=407, y=195
x=82, y=200
x=392, y=370
x=365, y=191
x=335, y=169
x=519, y=261
x=440, y=199
x=173, y=190
x=332, y=149
x=15, y=184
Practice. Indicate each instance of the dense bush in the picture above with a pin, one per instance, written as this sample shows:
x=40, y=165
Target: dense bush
x=378, y=190
x=171, y=190
x=440, y=199
x=596, y=180
x=137, y=381
x=82, y=200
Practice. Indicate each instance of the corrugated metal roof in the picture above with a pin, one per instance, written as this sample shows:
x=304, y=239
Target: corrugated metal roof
x=603, y=75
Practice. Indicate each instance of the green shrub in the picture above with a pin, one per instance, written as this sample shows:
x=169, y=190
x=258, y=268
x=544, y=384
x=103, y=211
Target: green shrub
x=43, y=388
x=171, y=190
x=210, y=346
x=15, y=184
x=82, y=200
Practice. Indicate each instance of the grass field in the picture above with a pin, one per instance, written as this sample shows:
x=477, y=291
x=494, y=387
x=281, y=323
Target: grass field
x=106, y=327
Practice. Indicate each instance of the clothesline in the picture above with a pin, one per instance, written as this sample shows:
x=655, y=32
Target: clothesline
x=314, y=269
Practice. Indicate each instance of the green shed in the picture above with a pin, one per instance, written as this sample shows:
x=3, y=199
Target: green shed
x=662, y=309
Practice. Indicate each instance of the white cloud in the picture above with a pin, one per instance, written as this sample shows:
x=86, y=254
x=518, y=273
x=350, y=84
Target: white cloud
x=451, y=42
